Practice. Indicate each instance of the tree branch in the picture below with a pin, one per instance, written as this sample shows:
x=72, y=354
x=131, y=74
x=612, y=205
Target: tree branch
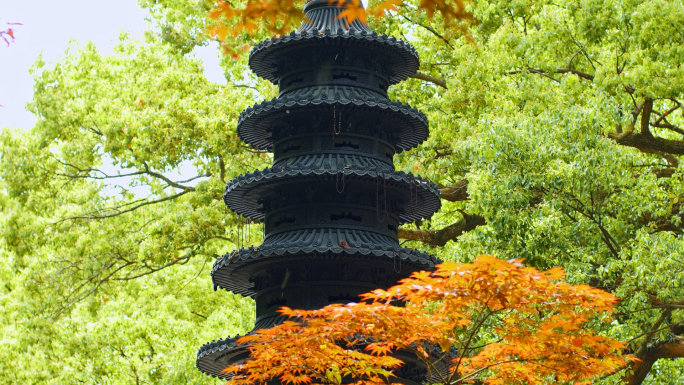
x=646, y=117
x=456, y=192
x=167, y=180
x=441, y=237
x=86, y=174
x=669, y=126
x=431, y=30
x=673, y=349
x=648, y=144
x=575, y=72
x=431, y=79
x=103, y=216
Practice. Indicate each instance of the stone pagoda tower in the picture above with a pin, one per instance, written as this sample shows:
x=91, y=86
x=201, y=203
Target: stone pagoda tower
x=332, y=200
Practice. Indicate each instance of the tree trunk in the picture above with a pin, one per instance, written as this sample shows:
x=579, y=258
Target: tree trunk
x=641, y=369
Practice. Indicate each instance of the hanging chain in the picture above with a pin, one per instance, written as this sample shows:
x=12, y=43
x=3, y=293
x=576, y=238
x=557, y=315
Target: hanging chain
x=239, y=245
x=242, y=232
x=414, y=200
x=249, y=230
x=336, y=131
x=416, y=190
x=377, y=195
x=384, y=195
x=337, y=181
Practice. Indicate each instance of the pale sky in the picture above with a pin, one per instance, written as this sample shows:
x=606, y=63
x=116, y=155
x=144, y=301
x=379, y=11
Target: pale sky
x=48, y=26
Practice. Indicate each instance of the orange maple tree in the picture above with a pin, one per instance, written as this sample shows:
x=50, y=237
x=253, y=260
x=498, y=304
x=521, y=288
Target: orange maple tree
x=279, y=16
x=497, y=321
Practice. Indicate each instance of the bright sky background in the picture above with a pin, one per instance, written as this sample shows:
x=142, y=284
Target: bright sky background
x=48, y=26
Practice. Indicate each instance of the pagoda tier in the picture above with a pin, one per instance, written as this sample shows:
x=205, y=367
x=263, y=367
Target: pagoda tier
x=332, y=201
x=329, y=109
x=272, y=191
x=322, y=28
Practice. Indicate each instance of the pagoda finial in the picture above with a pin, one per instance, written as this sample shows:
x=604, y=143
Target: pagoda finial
x=324, y=14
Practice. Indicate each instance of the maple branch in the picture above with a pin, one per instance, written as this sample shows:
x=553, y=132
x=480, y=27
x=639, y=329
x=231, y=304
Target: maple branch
x=668, y=112
x=442, y=151
x=8, y=32
x=254, y=151
x=651, y=333
x=430, y=365
x=245, y=86
x=662, y=122
x=169, y=181
x=472, y=334
x=222, y=168
x=471, y=375
x=666, y=305
x=584, y=52
x=72, y=298
x=440, y=82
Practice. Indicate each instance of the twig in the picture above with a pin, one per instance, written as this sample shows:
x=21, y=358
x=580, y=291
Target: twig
x=125, y=211
x=427, y=27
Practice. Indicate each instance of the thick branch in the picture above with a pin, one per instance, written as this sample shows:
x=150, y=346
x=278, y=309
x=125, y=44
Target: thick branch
x=648, y=144
x=441, y=237
x=575, y=72
x=453, y=193
x=669, y=126
x=431, y=79
x=640, y=370
x=646, y=117
x=456, y=192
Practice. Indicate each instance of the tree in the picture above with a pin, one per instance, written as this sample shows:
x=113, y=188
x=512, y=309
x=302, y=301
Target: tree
x=525, y=141
x=508, y=324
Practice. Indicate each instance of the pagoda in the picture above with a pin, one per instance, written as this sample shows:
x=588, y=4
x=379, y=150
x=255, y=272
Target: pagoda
x=332, y=201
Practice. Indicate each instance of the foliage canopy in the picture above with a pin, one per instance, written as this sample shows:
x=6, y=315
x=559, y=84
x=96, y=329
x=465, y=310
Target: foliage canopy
x=558, y=140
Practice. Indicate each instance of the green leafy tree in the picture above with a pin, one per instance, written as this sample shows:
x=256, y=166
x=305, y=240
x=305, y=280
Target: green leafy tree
x=556, y=135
